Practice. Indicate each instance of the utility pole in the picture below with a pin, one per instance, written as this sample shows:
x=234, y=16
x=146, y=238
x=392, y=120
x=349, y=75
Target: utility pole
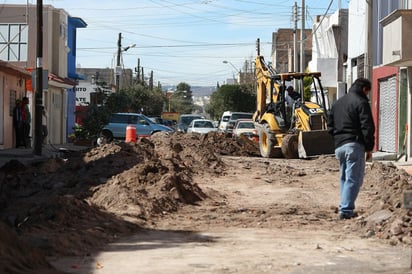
x=137, y=70
x=118, y=65
x=295, y=38
x=38, y=140
x=295, y=43
x=151, y=80
x=368, y=40
x=302, y=40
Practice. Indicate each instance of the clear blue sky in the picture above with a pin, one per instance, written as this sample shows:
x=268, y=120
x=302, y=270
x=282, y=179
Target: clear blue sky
x=182, y=40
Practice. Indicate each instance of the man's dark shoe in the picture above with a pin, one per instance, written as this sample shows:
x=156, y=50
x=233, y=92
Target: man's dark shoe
x=344, y=216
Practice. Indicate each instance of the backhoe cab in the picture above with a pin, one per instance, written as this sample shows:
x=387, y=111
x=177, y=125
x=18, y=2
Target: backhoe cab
x=291, y=131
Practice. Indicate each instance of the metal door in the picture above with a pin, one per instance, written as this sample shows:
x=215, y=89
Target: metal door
x=387, y=115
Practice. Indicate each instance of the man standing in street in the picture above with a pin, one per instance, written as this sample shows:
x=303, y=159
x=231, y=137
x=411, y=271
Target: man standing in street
x=351, y=125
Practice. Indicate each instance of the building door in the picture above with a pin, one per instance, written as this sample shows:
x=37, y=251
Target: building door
x=387, y=115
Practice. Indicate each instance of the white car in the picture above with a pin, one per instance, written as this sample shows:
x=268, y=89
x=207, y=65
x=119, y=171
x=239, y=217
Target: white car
x=245, y=127
x=202, y=126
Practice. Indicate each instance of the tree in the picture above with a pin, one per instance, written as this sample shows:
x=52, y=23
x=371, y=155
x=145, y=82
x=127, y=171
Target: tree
x=118, y=102
x=232, y=98
x=145, y=100
x=97, y=118
x=307, y=84
x=182, y=100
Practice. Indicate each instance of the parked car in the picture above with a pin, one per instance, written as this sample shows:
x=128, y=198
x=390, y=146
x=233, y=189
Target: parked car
x=116, y=128
x=185, y=120
x=201, y=126
x=245, y=127
x=235, y=116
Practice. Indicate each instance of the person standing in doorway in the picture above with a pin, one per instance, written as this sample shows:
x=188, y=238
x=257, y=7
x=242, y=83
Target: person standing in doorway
x=26, y=117
x=351, y=124
x=18, y=124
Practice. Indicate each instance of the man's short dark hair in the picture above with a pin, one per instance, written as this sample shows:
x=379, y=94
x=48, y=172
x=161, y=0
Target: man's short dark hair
x=363, y=83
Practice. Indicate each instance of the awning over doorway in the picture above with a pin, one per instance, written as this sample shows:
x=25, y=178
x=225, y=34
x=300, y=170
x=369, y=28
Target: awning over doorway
x=60, y=82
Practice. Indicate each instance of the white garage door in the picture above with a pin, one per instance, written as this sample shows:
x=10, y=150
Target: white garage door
x=387, y=115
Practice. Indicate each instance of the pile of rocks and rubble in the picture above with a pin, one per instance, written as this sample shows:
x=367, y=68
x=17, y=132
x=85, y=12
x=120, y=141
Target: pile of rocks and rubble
x=75, y=205
x=388, y=217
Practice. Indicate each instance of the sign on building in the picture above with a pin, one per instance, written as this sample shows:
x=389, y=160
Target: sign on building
x=83, y=91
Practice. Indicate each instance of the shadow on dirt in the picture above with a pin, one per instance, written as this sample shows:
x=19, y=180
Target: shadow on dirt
x=73, y=206
x=151, y=239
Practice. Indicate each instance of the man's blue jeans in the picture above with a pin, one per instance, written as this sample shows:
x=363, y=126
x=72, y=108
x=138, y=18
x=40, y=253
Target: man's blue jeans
x=351, y=158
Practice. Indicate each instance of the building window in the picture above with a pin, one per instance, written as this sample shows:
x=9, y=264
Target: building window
x=13, y=42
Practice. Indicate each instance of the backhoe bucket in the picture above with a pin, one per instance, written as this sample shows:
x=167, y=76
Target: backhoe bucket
x=315, y=143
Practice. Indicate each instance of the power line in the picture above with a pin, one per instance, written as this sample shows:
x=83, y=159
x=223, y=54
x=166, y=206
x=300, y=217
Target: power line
x=184, y=45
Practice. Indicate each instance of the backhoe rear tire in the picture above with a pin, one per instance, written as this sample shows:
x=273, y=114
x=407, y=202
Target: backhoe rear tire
x=290, y=146
x=266, y=144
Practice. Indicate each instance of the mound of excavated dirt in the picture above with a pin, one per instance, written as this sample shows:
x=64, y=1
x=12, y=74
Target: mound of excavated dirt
x=73, y=206
x=19, y=257
x=387, y=218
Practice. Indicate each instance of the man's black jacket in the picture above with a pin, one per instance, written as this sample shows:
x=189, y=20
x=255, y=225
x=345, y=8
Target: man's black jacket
x=350, y=120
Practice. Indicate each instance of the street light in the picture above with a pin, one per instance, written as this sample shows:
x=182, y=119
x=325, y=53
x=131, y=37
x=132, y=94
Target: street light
x=230, y=63
x=129, y=47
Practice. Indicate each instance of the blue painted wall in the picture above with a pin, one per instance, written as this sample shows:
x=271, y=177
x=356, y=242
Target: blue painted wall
x=73, y=24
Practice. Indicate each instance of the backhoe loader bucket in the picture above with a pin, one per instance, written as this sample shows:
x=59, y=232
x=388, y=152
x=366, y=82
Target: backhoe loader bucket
x=315, y=143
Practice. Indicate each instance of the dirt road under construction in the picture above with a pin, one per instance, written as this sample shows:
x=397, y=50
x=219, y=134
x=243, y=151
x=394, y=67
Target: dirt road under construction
x=185, y=203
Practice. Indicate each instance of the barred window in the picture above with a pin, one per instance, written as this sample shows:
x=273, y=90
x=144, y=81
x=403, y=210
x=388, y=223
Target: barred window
x=13, y=42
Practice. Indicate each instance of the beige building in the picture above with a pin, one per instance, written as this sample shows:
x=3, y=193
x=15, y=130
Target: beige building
x=18, y=27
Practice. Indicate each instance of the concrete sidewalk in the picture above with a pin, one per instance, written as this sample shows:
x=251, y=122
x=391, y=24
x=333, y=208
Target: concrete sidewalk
x=27, y=155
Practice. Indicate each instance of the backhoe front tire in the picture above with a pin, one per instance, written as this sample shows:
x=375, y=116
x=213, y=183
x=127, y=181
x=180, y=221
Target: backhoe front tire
x=266, y=144
x=290, y=146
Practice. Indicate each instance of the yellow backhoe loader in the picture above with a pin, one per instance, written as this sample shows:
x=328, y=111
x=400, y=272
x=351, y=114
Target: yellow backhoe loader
x=290, y=131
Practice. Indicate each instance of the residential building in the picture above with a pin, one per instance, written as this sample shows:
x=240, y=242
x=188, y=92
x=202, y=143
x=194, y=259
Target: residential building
x=390, y=96
x=283, y=49
x=12, y=87
x=392, y=76
x=19, y=24
x=330, y=52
